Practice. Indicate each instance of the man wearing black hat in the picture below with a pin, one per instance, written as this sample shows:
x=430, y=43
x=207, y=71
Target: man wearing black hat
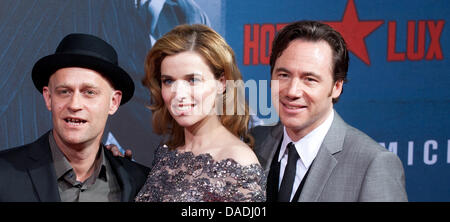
x=82, y=85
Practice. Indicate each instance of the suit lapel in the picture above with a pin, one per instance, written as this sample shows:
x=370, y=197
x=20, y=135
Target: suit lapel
x=273, y=178
x=42, y=170
x=270, y=146
x=43, y=176
x=266, y=153
x=319, y=173
x=125, y=181
x=324, y=163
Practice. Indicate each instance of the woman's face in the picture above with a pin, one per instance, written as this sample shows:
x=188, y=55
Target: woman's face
x=189, y=88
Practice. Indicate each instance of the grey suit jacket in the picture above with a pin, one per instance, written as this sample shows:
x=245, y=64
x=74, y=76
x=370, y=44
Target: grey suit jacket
x=350, y=166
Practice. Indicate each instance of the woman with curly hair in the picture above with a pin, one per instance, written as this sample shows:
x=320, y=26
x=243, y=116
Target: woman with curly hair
x=197, y=103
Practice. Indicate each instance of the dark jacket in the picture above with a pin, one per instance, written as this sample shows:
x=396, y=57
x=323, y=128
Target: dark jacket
x=27, y=174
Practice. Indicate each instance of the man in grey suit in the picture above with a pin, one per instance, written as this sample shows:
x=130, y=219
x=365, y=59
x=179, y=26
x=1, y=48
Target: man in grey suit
x=313, y=155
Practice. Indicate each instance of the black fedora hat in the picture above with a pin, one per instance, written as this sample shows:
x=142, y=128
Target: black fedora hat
x=85, y=51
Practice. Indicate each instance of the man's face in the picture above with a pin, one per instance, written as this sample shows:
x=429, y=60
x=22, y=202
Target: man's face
x=80, y=101
x=306, y=86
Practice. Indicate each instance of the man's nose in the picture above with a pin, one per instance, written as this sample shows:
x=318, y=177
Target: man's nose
x=75, y=102
x=295, y=88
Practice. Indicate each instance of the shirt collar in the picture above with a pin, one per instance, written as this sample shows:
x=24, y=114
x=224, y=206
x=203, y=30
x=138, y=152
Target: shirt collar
x=62, y=165
x=60, y=162
x=308, y=146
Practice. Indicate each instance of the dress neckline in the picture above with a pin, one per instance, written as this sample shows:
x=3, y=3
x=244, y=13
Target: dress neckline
x=208, y=156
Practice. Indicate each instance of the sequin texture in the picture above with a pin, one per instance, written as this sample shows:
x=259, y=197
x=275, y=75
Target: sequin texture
x=185, y=177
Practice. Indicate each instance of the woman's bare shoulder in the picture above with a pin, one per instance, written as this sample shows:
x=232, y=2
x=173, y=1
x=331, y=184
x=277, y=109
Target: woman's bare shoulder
x=238, y=151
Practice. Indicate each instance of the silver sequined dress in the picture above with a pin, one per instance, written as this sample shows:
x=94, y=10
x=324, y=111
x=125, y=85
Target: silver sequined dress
x=185, y=177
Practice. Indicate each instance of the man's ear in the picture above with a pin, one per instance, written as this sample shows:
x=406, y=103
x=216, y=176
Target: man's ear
x=115, y=101
x=337, y=89
x=47, y=97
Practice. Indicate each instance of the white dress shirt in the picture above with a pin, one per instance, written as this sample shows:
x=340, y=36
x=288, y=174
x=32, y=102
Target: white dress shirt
x=307, y=148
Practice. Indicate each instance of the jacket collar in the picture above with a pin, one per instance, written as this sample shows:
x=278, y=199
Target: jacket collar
x=42, y=170
x=125, y=181
x=270, y=146
x=325, y=161
x=43, y=176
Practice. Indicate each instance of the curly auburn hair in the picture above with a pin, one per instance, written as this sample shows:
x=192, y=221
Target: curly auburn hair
x=221, y=60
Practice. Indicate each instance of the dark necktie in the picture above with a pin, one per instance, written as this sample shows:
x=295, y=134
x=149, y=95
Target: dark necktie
x=284, y=194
